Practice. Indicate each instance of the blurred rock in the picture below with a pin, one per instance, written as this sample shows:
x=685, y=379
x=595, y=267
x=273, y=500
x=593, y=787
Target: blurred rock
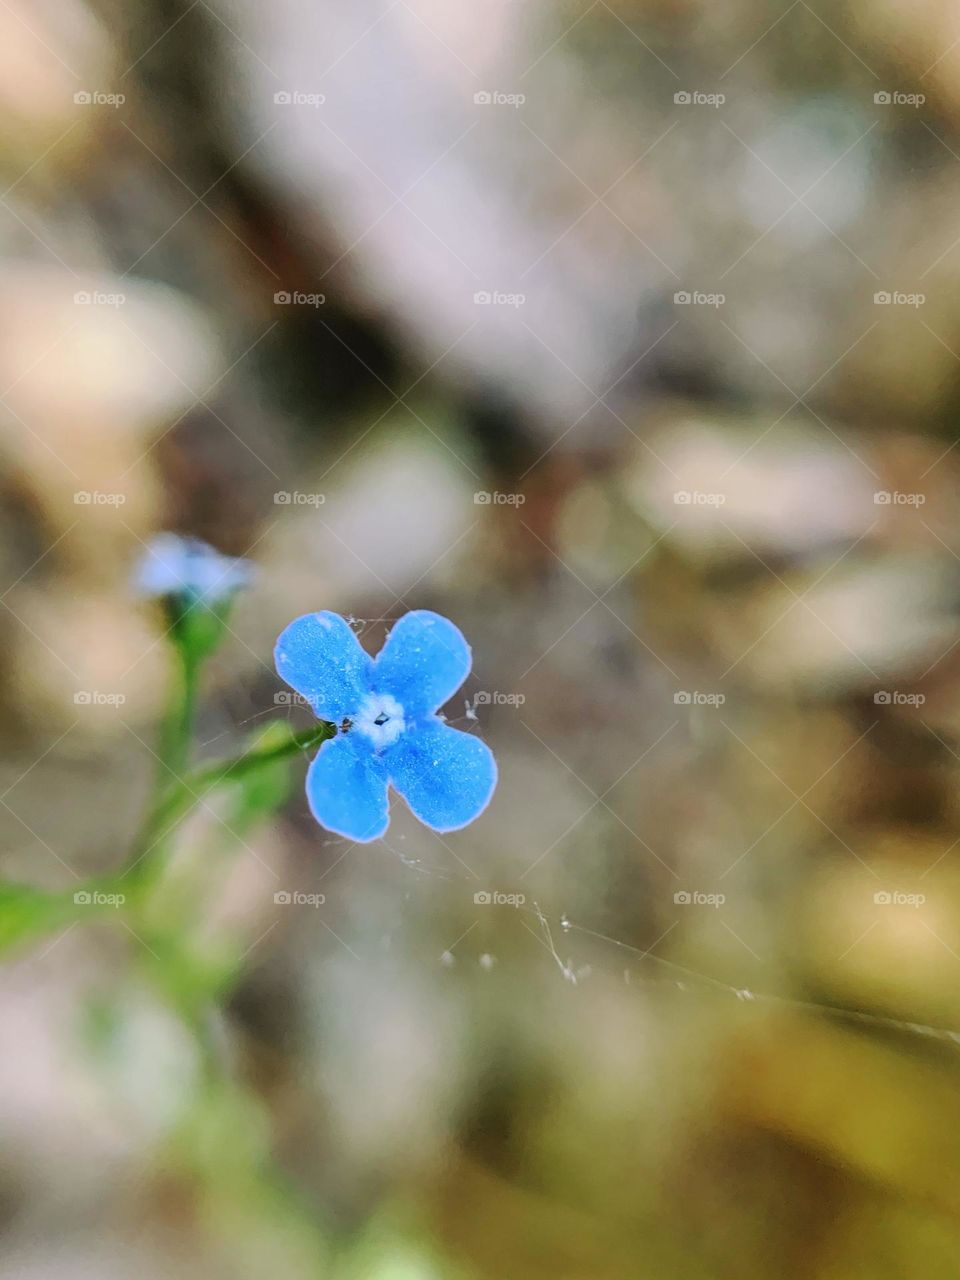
x=741, y=490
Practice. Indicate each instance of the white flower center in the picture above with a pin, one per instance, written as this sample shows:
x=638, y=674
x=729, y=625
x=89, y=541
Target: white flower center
x=380, y=719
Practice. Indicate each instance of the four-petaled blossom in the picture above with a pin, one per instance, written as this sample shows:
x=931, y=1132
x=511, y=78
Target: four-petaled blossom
x=388, y=731
x=191, y=570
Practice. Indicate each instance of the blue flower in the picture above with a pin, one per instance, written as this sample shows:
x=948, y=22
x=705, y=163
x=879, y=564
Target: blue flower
x=190, y=570
x=388, y=731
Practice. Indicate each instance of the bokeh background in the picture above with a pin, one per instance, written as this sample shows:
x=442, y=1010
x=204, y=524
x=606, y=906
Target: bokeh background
x=627, y=335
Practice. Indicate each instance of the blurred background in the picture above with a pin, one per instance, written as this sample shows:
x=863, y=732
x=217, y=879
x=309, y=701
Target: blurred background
x=626, y=334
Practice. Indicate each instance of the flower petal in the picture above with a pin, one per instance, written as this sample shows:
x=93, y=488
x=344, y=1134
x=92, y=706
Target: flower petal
x=423, y=663
x=445, y=776
x=320, y=657
x=347, y=790
x=172, y=565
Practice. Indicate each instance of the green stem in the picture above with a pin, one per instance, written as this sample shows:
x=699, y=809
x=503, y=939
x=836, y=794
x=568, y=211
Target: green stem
x=175, y=756
x=172, y=762
x=174, y=805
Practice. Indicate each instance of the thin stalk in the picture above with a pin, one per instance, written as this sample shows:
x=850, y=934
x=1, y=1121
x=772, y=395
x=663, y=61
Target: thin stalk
x=173, y=806
x=173, y=760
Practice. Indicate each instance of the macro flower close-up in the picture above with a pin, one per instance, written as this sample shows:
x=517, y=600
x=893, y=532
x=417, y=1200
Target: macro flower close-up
x=480, y=637
x=388, y=732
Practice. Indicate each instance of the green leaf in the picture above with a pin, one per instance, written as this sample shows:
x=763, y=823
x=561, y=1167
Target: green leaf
x=26, y=913
x=262, y=791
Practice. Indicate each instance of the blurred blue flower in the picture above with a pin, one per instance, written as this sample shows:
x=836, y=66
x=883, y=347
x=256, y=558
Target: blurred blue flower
x=389, y=732
x=190, y=570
